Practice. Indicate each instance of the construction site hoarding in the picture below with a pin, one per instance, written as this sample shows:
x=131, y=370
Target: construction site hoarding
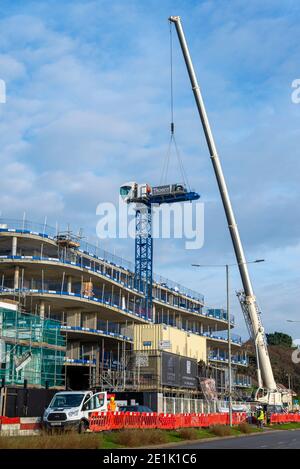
x=161, y=368
x=188, y=373
x=170, y=370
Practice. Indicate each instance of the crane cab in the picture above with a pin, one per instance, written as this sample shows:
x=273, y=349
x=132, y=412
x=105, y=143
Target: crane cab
x=128, y=191
x=133, y=192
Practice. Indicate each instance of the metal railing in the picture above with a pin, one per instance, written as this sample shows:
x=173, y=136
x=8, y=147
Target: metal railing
x=111, y=330
x=223, y=335
x=46, y=231
x=242, y=381
x=215, y=313
x=223, y=357
x=106, y=300
x=177, y=288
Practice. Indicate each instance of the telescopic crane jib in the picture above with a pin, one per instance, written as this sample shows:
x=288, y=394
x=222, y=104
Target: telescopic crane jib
x=268, y=391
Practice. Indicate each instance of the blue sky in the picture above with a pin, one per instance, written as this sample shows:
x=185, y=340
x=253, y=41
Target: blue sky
x=88, y=108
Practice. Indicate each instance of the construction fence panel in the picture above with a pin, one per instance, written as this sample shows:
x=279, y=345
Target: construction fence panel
x=186, y=421
x=148, y=420
x=117, y=420
x=132, y=420
x=166, y=421
x=284, y=418
x=239, y=417
x=195, y=420
x=100, y=421
x=182, y=405
x=204, y=420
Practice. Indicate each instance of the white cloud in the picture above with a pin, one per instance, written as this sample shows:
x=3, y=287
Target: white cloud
x=88, y=108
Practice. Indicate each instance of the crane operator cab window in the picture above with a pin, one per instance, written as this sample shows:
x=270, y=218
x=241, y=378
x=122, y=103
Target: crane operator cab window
x=126, y=191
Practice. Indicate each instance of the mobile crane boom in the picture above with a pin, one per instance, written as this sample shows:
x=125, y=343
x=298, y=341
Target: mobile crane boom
x=247, y=298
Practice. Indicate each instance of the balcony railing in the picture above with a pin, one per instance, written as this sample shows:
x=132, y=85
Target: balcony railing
x=219, y=313
x=223, y=357
x=177, y=288
x=108, y=331
x=215, y=313
x=223, y=335
x=243, y=381
x=46, y=231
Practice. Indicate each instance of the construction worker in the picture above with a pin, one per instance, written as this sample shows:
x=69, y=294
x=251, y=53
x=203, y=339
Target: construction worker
x=260, y=416
x=112, y=406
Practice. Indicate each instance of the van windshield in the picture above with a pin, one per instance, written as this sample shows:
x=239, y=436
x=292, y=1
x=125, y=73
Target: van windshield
x=67, y=400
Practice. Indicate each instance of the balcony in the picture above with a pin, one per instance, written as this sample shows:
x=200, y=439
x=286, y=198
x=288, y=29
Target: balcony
x=242, y=381
x=223, y=335
x=48, y=232
x=222, y=356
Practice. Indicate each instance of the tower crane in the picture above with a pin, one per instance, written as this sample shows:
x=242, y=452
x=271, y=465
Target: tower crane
x=144, y=196
x=268, y=391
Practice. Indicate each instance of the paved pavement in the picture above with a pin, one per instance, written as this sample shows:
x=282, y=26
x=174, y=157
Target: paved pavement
x=277, y=439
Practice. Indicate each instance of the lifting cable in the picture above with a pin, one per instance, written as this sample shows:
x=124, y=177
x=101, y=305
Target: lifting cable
x=172, y=128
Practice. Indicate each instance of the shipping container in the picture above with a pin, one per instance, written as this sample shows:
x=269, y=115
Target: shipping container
x=169, y=339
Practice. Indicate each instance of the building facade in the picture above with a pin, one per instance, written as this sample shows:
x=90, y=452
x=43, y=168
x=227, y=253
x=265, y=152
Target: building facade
x=92, y=293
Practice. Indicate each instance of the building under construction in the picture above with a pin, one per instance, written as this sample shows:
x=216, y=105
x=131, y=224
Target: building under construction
x=83, y=321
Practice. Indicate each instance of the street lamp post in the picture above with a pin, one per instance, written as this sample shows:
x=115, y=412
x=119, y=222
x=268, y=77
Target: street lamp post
x=228, y=326
x=229, y=345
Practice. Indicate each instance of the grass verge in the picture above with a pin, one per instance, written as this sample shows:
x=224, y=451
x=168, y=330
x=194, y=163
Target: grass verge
x=126, y=438
x=285, y=426
x=44, y=441
x=134, y=438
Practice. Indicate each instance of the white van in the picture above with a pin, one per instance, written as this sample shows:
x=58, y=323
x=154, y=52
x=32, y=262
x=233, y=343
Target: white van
x=71, y=409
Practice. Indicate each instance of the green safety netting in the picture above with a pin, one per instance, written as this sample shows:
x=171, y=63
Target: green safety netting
x=31, y=348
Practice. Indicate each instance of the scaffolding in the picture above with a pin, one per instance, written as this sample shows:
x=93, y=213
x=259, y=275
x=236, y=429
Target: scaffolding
x=32, y=349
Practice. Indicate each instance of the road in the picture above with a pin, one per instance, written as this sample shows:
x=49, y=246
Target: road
x=277, y=439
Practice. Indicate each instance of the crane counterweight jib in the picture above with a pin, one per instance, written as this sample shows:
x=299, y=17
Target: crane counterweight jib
x=132, y=192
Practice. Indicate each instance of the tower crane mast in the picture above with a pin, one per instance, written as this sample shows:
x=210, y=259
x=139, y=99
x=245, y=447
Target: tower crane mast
x=144, y=196
x=268, y=392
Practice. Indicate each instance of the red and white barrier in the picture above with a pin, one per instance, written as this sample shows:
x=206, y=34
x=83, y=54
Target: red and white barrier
x=101, y=421
x=284, y=418
x=10, y=426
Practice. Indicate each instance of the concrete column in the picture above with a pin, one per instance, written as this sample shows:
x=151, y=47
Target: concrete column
x=178, y=322
x=69, y=284
x=42, y=309
x=73, y=318
x=89, y=320
x=16, y=277
x=14, y=245
x=153, y=313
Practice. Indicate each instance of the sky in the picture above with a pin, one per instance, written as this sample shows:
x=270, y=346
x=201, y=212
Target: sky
x=88, y=108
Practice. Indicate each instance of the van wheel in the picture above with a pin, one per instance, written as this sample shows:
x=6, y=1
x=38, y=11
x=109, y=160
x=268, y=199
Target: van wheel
x=83, y=426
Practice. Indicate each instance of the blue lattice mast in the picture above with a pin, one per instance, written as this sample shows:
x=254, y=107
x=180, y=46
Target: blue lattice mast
x=144, y=255
x=144, y=196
